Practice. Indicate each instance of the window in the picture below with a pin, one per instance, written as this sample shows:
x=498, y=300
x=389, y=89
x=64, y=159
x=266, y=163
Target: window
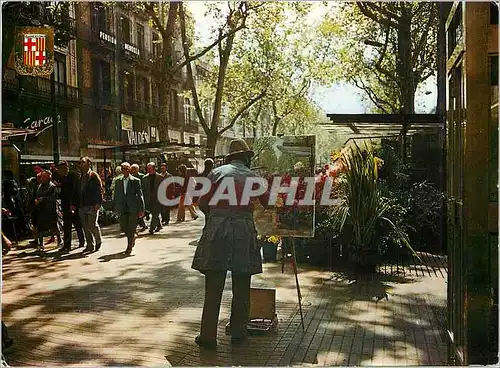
x=192, y=140
x=147, y=97
x=156, y=45
x=187, y=111
x=60, y=77
x=156, y=94
x=140, y=36
x=102, y=18
x=126, y=30
x=128, y=89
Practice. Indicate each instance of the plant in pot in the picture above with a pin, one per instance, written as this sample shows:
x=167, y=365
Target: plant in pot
x=269, y=247
x=364, y=212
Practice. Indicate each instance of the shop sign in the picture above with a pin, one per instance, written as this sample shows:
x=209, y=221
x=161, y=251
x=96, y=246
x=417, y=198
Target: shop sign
x=40, y=124
x=127, y=122
x=131, y=49
x=138, y=137
x=106, y=37
x=155, y=137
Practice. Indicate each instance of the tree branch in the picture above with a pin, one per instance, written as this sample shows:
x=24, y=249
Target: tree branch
x=241, y=111
x=423, y=38
x=217, y=42
x=189, y=68
x=384, y=47
x=150, y=9
x=379, y=9
x=368, y=13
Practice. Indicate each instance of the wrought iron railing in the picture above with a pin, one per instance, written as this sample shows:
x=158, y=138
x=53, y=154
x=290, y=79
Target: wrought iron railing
x=40, y=87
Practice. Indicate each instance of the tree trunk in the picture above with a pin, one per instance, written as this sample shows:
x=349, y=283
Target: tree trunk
x=166, y=66
x=212, y=137
x=406, y=76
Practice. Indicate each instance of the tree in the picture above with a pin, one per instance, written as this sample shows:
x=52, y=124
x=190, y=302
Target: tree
x=164, y=17
x=234, y=21
x=23, y=14
x=386, y=49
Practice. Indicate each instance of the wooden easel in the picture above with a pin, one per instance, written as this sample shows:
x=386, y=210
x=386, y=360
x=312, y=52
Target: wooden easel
x=294, y=267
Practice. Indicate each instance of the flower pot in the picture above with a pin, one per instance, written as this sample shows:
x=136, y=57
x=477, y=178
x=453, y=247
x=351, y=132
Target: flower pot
x=269, y=251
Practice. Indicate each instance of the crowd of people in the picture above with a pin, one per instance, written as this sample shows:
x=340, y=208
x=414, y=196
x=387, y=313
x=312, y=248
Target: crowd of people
x=55, y=201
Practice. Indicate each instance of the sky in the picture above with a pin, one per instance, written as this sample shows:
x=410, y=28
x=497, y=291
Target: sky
x=340, y=98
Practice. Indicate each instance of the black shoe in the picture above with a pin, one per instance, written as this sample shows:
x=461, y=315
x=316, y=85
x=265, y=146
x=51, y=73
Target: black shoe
x=97, y=247
x=88, y=250
x=151, y=232
x=65, y=250
x=208, y=344
x=81, y=245
x=143, y=229
x=157, y=229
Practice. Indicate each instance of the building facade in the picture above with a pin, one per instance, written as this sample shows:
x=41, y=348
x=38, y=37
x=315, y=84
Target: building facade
x=471, y=31
x=107, y=89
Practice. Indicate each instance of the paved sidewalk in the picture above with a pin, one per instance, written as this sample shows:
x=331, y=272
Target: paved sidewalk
x=145, y=309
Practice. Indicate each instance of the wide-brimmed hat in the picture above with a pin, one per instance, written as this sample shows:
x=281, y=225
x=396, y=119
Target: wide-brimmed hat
x=238, y=146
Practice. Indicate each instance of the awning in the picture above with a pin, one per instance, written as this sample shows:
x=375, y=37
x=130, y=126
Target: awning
x=9, y=131
x=382, y=125
x=156, y=148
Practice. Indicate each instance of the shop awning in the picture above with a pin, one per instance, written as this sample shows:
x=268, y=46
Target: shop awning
x=156, y=148
x=9, y=131
x=382, y=125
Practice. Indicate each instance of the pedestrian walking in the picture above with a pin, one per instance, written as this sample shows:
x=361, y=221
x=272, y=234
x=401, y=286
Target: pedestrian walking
x=185, y=201
x=70, y=205
x=91, y=192
x=129, y=203
x=150, y=184
x=45, y=207
x=228, y=243
x=165, y=210
x=135, y=171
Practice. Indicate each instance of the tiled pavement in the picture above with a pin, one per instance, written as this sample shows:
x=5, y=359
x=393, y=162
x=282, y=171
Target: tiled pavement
x=108, y=309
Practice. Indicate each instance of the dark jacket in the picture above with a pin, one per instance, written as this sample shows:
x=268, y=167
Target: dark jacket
x=46, y=218
x=229, y=238
x=151, y=194
x=90, y=190
x=70, y=190
x=133, y=201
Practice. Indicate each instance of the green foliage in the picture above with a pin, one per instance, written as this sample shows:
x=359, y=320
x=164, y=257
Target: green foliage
x=365, y=212
x=370, y=39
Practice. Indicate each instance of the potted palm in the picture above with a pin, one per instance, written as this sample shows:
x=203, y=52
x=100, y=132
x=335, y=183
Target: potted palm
x=269, y=247
x=363, y=211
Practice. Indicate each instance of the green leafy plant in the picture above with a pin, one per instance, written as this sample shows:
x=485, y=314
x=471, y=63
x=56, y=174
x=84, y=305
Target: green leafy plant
x=365, y=211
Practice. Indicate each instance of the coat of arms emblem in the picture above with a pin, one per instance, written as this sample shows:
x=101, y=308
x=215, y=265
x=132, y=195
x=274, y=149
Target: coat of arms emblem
x=34, y=51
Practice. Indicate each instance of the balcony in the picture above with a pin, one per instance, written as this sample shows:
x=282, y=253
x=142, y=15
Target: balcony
x=39, y=88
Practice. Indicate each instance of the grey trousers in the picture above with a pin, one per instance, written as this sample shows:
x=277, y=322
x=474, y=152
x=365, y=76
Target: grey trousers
x=90, y=227
x=240, y=306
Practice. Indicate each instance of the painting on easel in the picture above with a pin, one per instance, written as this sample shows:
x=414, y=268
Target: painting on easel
x=291, y=158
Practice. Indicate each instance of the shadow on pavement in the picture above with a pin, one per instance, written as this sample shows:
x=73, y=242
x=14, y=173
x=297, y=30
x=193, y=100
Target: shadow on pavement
x=109, y=257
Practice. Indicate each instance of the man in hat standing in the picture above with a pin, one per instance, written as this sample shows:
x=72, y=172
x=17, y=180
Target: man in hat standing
x=228, y=243
x=70, y=204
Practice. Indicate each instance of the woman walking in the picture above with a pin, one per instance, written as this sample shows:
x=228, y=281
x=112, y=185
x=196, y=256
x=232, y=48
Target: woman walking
x=45, y=208
x=185, y=201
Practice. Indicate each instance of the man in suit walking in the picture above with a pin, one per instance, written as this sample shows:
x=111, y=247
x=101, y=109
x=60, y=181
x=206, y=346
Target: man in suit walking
x=70, y=203
x=150, y=184
x=135, y=172
x=129, y=203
